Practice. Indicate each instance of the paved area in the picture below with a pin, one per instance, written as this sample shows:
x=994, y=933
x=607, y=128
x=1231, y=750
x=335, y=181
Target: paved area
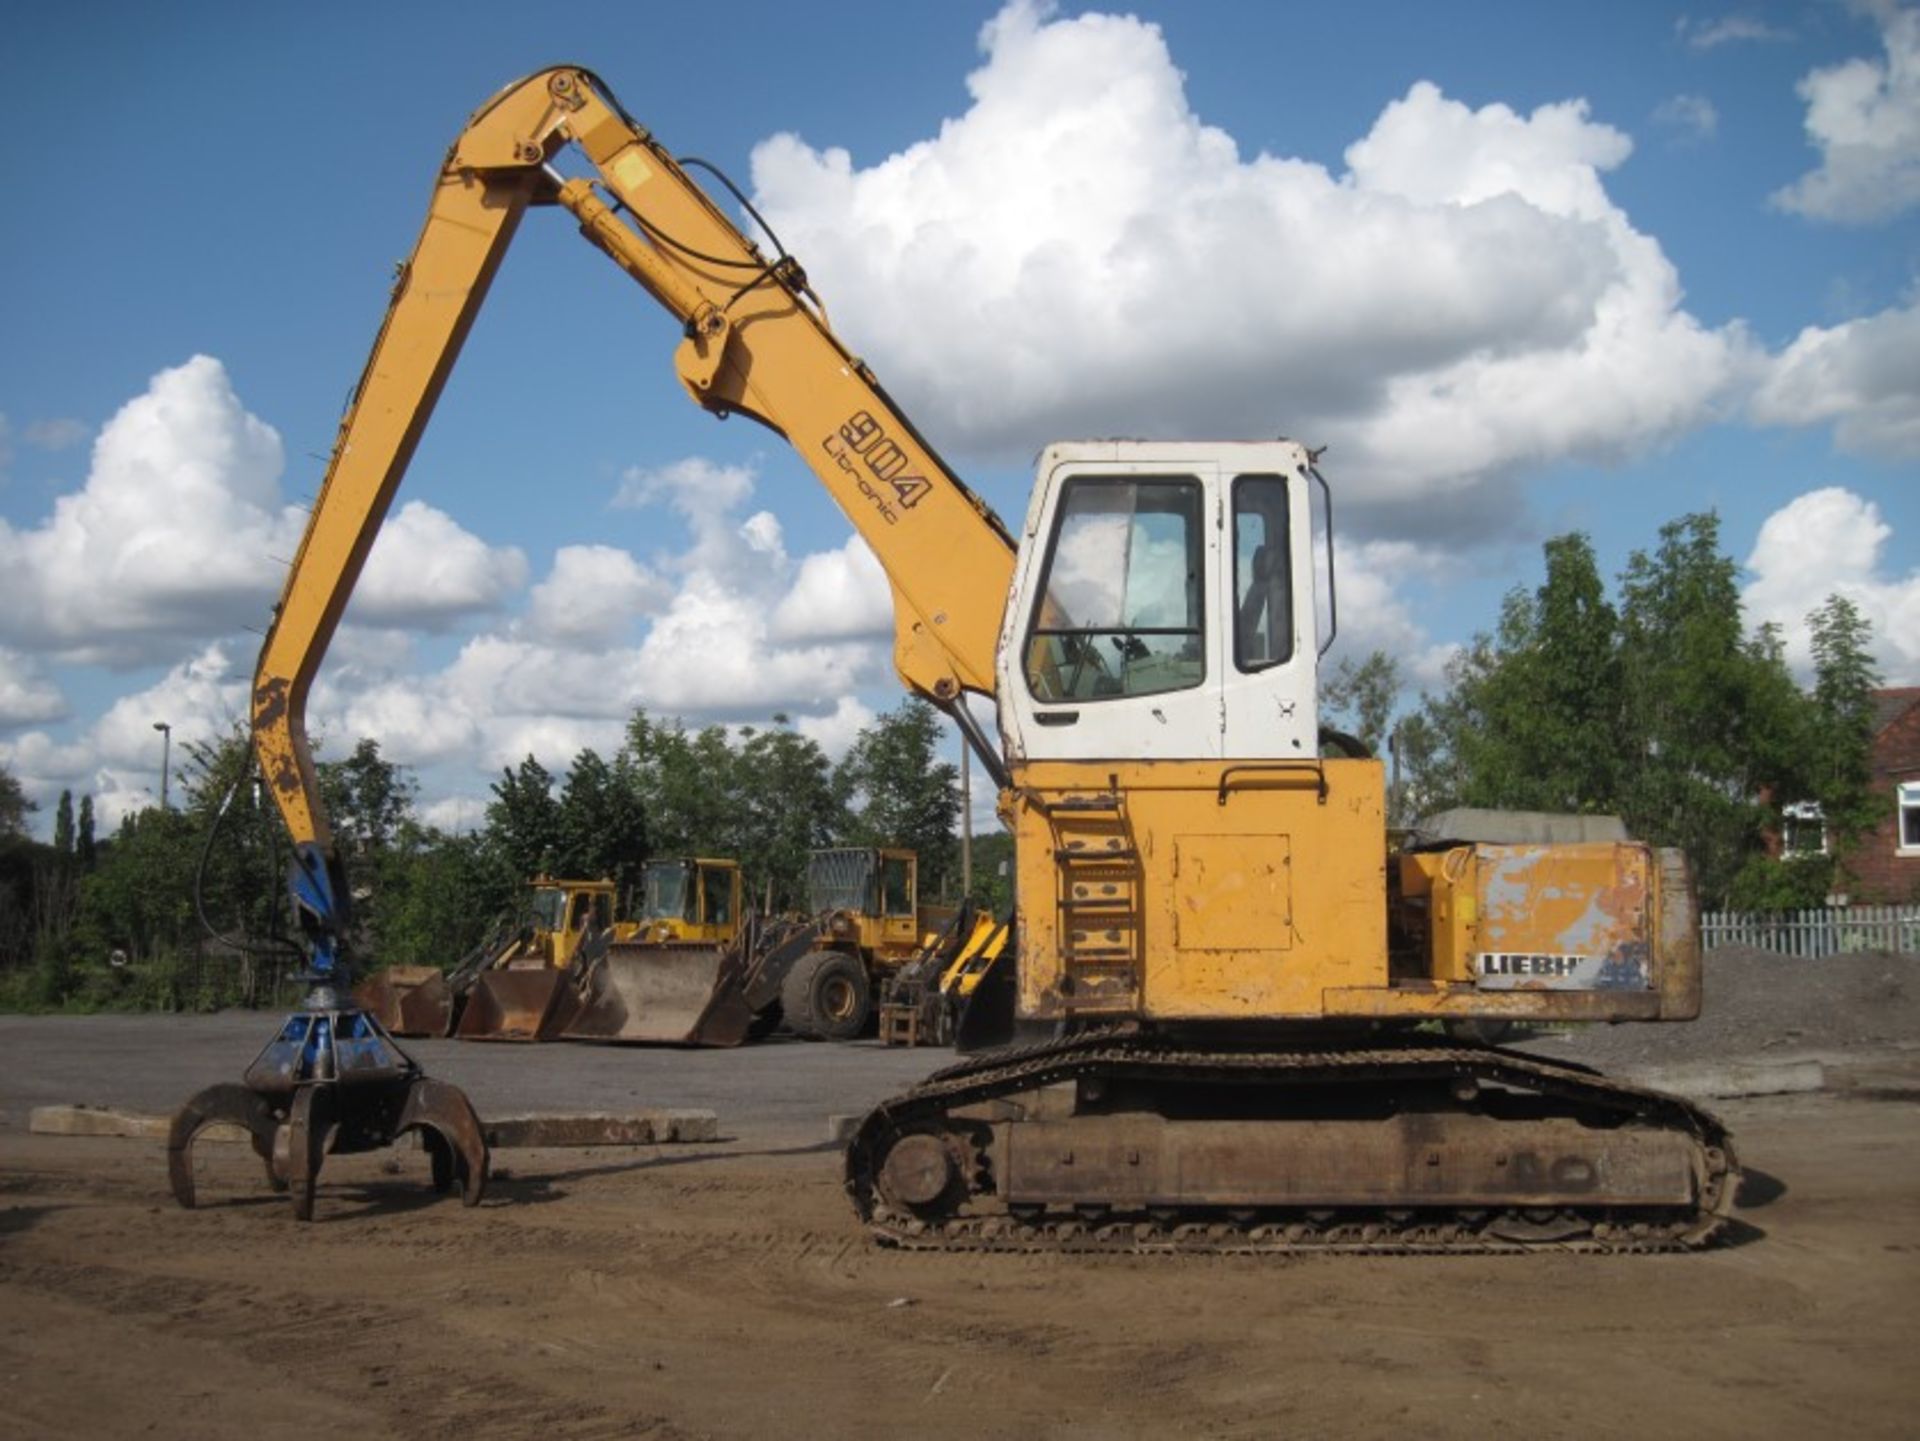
x=777, y=1093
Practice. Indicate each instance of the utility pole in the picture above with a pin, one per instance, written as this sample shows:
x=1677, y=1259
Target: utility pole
x=166, y=757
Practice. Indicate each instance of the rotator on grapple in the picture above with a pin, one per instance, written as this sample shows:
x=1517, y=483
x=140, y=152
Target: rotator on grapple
x=332, y=1079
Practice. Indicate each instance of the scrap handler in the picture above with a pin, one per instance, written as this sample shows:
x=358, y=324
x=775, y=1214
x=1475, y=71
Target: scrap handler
x=1231, y=959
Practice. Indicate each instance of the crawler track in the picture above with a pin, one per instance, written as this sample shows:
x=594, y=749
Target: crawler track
x=973, y=1215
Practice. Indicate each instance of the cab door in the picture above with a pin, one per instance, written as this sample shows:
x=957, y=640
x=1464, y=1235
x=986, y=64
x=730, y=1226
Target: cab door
x=1268, y=662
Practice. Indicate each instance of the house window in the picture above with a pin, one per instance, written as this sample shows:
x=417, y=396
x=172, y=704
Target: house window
x=1909, y=818
x=1803, y=830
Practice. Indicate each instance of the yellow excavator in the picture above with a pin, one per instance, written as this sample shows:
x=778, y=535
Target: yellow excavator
x=1235, y=974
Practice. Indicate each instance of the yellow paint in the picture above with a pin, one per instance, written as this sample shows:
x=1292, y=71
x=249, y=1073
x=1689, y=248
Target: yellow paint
x=1246, y=909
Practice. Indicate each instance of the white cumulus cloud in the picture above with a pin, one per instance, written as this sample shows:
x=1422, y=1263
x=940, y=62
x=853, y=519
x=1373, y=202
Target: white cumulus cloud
x=593, y=596
x=171, y=538
x=1863, y=375
x=26, y=694
x=837, y=595
x=179, y=536
x=1864, y=118
x=1826, y=542
x=1689, y=117
x=1080, y=253
x=117, y=758
x=728, y=627
x=425, y=572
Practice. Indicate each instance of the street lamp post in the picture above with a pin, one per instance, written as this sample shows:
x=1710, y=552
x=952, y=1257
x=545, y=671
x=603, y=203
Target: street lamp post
x=166, y=756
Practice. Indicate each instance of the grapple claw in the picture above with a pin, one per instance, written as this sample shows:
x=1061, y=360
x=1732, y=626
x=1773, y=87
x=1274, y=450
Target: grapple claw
x=455, y=1142
x=229, y=1104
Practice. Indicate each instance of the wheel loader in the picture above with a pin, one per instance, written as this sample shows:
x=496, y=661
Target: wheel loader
x=524, y=993
x=821, y=973
x=922, y=1003
x=1237, y=969
x=541, y=935
x=675, y=977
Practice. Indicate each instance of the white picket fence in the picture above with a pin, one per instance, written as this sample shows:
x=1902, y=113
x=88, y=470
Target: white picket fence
x=1829, y=932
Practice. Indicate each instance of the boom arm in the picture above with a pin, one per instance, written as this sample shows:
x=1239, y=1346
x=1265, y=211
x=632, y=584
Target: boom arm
x=757, y=344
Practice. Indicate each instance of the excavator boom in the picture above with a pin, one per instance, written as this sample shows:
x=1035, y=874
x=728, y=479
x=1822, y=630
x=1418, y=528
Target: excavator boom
x=756, y=343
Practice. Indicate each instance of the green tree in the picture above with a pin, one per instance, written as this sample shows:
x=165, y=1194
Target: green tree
x=85, y=848
x=786, y=808
x=993, y=872
x=602, y=823
x=367, y=798
x=1840, y=757
x=1712, y=722
x=688, y=783
x=523, y=820
x=63, y=827
x=1360, y=698
x=1531, y=714
x=439, y=896
x=898, y=794
x=14, y=805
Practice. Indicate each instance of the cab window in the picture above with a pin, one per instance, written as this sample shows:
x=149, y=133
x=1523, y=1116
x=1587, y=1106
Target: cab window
x=716, y=887
x=896, y=886
x=1262, y=573
x=1120, y=610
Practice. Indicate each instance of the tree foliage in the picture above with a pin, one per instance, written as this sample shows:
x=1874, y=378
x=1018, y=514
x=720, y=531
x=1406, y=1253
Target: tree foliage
x=1360, y=699
x=897, y=793
x=14, y=806
x=185, y=908
x=1660, y=708
x=787, y=808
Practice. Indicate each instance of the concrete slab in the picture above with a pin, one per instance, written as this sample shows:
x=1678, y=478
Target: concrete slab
x=627, y=1128
x=83, y=1120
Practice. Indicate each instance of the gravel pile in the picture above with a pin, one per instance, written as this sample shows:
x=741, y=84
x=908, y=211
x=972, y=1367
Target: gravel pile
x=1758, y=1004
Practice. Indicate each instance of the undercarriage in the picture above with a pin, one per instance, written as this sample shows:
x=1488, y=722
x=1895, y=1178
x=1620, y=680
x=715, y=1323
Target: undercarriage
x=1123, y=1141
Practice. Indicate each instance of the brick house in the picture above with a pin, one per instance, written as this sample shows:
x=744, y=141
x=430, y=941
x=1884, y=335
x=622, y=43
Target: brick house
x=1886, y=867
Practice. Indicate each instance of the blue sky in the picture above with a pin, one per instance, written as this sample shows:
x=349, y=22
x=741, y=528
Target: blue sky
x=1523, y=268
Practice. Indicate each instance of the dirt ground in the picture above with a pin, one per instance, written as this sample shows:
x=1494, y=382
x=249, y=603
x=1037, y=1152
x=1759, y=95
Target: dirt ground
x=726, y=1291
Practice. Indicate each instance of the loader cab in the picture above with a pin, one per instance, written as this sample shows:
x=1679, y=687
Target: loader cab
x=874, y=894
x=690, y=898
x=1164, y=605
x=559, y=915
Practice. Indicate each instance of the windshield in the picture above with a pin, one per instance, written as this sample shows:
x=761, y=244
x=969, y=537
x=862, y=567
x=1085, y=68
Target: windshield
x=1120, y=611
x=549, y=907
x=840, y=880
x=664, y=892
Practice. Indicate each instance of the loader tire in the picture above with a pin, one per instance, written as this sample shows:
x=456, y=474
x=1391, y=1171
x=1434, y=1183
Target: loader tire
x=825, y=997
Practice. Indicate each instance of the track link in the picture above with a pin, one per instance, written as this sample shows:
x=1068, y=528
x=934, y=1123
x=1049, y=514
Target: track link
x=970, y=1223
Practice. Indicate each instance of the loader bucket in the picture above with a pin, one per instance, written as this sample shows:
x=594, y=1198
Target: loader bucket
x=533, y=1003
x=408, y=1000
x=667, y=995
